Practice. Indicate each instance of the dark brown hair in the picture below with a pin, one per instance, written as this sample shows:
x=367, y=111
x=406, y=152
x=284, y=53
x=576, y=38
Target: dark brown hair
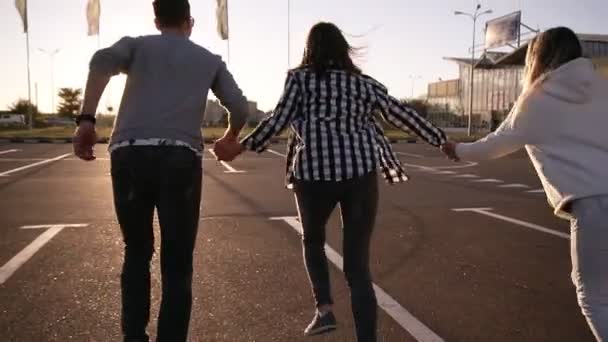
x=327, y=48
x=171, y=13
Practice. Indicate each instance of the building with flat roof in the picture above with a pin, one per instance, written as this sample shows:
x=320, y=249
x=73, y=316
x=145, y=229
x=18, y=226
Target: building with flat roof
x=215, y=113
x=497, y=82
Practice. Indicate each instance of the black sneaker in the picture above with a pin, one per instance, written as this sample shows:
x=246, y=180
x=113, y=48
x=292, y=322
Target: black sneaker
x=321, y=324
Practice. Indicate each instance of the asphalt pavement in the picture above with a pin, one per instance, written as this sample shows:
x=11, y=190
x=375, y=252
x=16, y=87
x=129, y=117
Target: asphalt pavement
x=462, y=252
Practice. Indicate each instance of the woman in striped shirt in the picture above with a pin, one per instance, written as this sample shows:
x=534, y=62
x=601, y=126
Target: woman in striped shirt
x=336, y=145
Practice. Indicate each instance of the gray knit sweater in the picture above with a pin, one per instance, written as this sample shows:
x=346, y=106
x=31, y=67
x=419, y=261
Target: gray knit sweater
x=168, y=80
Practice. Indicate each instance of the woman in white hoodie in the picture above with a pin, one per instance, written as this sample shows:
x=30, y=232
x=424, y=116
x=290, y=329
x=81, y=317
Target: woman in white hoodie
x=562, y=121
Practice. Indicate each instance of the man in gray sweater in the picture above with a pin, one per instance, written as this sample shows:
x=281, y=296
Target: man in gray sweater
x=156, y=150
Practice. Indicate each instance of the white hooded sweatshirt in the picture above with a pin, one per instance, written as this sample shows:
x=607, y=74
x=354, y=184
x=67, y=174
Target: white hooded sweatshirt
x=563, y=124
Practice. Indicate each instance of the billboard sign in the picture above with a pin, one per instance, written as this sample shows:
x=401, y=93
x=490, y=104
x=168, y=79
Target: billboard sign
x=503, y=30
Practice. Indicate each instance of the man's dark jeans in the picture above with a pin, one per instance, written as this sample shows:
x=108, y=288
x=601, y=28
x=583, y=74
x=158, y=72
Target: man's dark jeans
x=168, y=179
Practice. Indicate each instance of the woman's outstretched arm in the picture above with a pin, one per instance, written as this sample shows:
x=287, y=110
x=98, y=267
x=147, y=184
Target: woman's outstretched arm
x=281, y=117
x=406, y=118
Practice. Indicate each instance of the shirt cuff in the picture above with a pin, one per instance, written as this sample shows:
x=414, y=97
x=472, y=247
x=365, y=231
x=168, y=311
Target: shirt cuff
x=249, y=144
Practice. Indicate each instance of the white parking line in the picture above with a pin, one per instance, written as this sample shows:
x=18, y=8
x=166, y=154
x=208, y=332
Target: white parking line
x=450, y=167
x=229, y=168
x=413, y=155
x=22, y=257
x=437, y=169
x=487, y=180
x=426, y=169
x=404, y=318
x=537, y=191
x=6, y=160
x=487, y=212
x=470, y=176
x=439, y=172
x=46, y=161
x=9, y=151
x=514, y=186
x=276, y=153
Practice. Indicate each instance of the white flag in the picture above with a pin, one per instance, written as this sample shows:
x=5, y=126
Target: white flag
x=93, y=12
x=22, y=9
x=222, y=18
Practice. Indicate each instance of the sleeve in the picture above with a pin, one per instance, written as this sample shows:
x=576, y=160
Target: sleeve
x=406, y=118
x=230, y=96
x=115, y=59
x=282, y=116
x=514, y=133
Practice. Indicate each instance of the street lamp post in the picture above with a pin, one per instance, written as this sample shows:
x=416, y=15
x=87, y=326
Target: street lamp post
x=474, y=16
x=36, y=94
x=414, y=78
x=51, y=55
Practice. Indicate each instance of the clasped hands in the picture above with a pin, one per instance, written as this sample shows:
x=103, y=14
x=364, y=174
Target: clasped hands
x=449, y=149
x=228, y=147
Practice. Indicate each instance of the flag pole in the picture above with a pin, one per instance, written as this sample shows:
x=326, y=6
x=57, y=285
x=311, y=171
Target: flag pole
x=99, y=28
x=29, y=86
x=228, y=39
x=107, y=90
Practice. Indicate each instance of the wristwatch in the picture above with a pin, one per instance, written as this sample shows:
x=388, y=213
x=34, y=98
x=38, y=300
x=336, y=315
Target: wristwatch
x=85, y=117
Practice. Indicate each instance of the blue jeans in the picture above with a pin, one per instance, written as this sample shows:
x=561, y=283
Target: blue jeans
x=167, y=179
x=589, y=251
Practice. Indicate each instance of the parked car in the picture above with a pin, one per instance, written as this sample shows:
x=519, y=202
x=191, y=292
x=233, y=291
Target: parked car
x=12, y=120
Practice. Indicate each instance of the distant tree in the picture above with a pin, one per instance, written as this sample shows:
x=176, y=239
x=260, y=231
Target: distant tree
x=420, y=106
x=71, y=102
x=23, y=107
x=255, y=118
x=223, y=122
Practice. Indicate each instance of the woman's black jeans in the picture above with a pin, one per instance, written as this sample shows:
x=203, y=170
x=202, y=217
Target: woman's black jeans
x=358, y=199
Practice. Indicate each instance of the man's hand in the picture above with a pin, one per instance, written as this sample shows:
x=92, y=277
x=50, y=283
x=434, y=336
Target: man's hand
x=449, y=149
x=85, y=138
x=227, y=147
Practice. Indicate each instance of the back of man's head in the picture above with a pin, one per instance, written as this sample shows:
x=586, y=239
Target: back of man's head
x=171, y=13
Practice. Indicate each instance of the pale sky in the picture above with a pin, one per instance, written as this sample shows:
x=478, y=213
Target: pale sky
x=400, y=37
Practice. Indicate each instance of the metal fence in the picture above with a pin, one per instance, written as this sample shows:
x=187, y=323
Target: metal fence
x=459, y=122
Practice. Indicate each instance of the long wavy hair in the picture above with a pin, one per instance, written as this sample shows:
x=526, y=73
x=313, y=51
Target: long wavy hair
x=327, y=48
x=548, y=51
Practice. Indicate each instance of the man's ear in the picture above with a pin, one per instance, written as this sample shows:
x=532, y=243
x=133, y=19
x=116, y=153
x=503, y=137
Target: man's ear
x=187, y=28
x=157, y=23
